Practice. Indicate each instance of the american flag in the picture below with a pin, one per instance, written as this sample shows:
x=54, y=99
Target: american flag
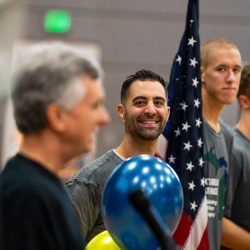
x=184, y=134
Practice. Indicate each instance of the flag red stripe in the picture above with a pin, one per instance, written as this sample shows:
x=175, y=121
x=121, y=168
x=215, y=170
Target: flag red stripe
x=181, y=233
x=204, y=244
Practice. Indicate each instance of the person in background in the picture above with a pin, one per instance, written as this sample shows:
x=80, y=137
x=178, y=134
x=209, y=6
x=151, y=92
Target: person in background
x=144, y=112
x=220, y=75
x=236, y=226
x=57, y=96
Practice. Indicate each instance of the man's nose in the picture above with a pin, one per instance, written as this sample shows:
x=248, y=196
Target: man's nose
x=231, y=75
x=150, y=109
x=104, y=117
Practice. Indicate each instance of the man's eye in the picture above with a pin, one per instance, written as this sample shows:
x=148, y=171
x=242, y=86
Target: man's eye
x=159, y=104
x=221, y=69
x=96, y=105
x=139, y=103
x=237, y=70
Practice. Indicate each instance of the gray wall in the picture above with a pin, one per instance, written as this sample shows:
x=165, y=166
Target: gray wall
x=140, y=34
x=12, y=22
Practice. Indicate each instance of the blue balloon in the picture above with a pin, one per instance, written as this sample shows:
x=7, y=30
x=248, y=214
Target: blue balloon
x=160, y=184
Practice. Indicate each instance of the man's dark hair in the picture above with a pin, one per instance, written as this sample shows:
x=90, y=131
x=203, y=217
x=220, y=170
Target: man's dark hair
x=142, y=75
x=244, y=88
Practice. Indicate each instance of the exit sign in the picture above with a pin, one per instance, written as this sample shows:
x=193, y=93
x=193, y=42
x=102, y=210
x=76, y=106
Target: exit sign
x=57, y=21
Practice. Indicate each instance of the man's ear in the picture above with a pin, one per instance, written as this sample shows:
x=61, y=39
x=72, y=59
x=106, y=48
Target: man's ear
x=202, y=74
x=244, y=102
x=168, y=112
x=55, y=116
x=120, y=112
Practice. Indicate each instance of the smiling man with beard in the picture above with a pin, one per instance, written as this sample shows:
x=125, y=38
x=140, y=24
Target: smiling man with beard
x=144, y=112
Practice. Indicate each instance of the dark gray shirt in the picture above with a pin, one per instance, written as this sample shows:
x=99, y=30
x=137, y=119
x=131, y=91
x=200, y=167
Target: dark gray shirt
x=216, y=155
x=85, y=190
x=237, y=202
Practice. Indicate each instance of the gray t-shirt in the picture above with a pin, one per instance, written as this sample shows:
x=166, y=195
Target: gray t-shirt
x=216, y=156
x=85, y=190
x=237, y=201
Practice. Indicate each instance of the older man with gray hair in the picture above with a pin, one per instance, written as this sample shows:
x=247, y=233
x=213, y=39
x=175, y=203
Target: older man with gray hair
x=57, y=96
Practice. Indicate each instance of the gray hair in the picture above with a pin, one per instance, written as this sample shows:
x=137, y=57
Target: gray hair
x=44, y=74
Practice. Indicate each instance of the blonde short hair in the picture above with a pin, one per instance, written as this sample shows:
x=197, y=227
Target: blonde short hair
x=214, y=44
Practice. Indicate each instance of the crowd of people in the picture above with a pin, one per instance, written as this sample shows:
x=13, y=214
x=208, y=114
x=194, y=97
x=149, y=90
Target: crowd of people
x=58, y=95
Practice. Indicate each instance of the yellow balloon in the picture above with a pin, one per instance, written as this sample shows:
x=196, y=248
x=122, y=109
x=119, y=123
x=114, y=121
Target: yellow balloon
x=102, y=241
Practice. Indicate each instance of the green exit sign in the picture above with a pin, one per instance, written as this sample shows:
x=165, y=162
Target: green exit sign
x=57, y=21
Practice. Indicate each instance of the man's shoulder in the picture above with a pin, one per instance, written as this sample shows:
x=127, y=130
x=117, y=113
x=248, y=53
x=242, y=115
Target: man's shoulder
x=241, y=139
x=103, y=165
x=25, y=176
x=241, y=147
x=26, y=187
x=16, y=174
x=104, y=162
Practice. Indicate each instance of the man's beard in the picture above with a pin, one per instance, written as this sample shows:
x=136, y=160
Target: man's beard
x=147, y=134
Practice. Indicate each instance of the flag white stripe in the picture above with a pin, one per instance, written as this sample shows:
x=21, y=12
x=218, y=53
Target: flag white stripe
x=198, y=227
